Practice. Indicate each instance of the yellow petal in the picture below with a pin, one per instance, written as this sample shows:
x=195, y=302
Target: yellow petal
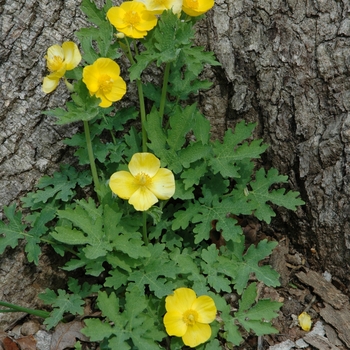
x=163, y=184
x=122, y=183
x=118, y=90
x=49, y=84
x=90, y=78
x=105, y=102
x=107, y=66
x=72, y=56
x=181, y=301
x=174, y=324
x=197, y=7
x=305, y=321
x=146, y=163
x=142, y=199
x=115, y=15
x=55, y=51
x=196, y=334
x=206, y=309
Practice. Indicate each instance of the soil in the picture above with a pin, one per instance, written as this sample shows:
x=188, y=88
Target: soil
x=302, y=289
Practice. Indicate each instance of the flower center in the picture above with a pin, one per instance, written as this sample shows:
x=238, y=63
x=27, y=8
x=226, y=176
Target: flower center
x=55, y=63
x=192, y=4
x=105, y=82
x=190, y=317
x=132, y=18
x=143, y=179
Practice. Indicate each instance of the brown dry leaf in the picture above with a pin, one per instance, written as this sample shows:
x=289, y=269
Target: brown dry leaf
x=9, y=344
x=27, y=343
x=66, y=335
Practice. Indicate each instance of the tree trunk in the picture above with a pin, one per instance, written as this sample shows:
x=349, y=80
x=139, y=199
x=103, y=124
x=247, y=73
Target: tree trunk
x=285, y=65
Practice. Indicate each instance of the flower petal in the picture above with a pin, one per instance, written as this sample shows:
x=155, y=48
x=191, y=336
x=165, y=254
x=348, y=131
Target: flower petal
x=196, y=334
x=118, y=90
x=72, y=56
x=90, y=78
x=174, y=324
x=143, y=199
x=49, y=84
x=163, y=184
x=123, y=184
x=305, y=321
x=115, y=15
x=206, y=309
x=105, y=102
x=181, y=301
x=55, y=51
x=146, y=163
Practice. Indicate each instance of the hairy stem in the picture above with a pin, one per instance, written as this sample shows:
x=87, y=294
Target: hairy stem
x=164, y=91
x=91, y=156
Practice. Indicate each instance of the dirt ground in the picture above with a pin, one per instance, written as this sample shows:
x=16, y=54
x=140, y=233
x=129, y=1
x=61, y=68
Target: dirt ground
x=302, y=289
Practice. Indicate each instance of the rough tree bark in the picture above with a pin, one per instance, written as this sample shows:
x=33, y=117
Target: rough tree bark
x=285, y=65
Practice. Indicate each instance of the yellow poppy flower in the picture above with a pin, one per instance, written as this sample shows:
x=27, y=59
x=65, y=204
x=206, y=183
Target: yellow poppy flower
x=103, y=80
x=196, y=7
x=132, y=19
x=158, y=6
x=189, y=317
x=305, y=321
x=145, y=183
x=59, y=60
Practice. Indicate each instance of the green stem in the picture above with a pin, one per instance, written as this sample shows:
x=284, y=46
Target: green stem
x=16, y=308
x=144, y=228
x=141, y=100
x=91, y=156
x=143, y=114
x=164, y=91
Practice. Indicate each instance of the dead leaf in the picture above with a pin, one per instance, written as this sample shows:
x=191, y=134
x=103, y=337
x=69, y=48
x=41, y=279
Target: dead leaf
x=27, y=342
x=66, y=335
x=9, y=344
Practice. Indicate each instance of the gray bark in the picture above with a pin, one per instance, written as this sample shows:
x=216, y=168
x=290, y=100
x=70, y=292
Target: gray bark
x=285, y=65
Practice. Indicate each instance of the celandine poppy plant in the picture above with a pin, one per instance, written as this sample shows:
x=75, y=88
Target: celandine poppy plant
x=188, y=316
x=132, y=19
x=103, y=80
x=196, y=7
x=145, y=183
x=59, y=60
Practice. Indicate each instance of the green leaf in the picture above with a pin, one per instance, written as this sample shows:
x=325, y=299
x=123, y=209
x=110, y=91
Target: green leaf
x=89, y=220
x=155, y=272
x=135, y=325
x=97, y=330
x=13, y=231
x=61, y=185
x=94, y=15
x=250, y=264
x=210, y=266
x=261, y=194
x=38, y=222
x=227, y=154
x=61, y=303
x=257, y=317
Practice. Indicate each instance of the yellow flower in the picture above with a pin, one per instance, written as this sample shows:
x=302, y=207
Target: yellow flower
x=196, y=7
x=305, y=321
x=158, y=6
x=132, y=19
x=103, y=80
x=188, y=316
x=146, y=182
x=59, y=60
